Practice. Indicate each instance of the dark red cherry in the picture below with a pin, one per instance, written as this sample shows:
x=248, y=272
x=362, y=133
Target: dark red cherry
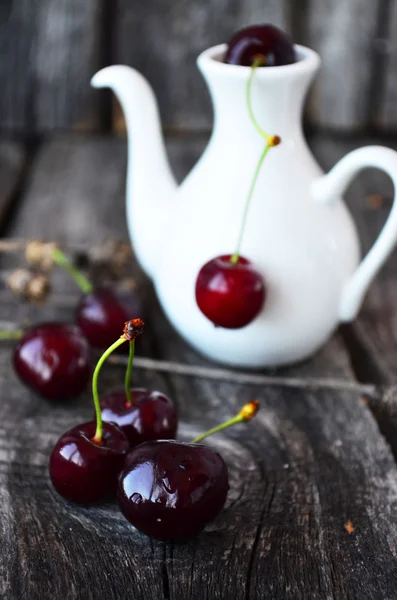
x=102, y=313
x=81, y=470
x=230, y=295
x=54, y=359
x=153, y=416
x=170, y=490
x=265, y=41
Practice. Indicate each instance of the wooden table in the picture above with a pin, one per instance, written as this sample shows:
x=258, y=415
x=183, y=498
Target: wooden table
x=318, y=456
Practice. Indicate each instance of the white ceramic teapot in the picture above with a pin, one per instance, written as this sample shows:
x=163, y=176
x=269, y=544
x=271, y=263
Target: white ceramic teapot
x=299, y=233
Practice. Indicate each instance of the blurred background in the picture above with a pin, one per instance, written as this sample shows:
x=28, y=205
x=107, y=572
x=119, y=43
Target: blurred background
x=50, y=49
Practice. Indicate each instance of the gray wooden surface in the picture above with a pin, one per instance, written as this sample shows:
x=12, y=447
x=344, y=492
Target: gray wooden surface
x=51, y=48
x=311, y=462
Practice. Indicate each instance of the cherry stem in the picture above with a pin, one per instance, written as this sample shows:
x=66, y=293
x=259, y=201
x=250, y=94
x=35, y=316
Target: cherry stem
x=257, y=63
x=99, y=425
x=11, y=334
x=127, y=383
x=234, y=258
x=63, y=261
x=246, y=414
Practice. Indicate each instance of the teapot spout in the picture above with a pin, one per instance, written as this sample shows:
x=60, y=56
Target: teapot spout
x=150, y=182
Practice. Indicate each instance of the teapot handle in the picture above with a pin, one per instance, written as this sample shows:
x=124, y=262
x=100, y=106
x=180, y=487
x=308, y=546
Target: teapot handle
x=330, y=187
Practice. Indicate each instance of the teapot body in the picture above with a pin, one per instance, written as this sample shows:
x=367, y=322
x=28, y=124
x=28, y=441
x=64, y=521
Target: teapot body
x=299, y=233
x=306, y=251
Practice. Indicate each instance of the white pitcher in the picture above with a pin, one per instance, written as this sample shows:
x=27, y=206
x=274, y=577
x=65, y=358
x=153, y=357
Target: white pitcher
x=299, y=233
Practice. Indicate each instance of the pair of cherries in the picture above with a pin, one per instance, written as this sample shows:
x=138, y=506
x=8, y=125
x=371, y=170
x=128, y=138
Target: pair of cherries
x=55, y=359
x=168, y=490
x=230, y=292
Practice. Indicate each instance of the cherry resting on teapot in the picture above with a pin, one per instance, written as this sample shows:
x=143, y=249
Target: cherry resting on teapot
x=170, y=490
x=230, y=294
x=265, y=41
x=87, y=459
x=101, y=312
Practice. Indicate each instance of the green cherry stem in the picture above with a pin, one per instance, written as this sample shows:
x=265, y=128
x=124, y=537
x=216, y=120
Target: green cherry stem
x=131, y=330
x=236, y=254
x=99, y=425
x=247, y=413
x=11, y=334
x=271, y=140
x=63, y=261
x=127, y=382
x=258, y=62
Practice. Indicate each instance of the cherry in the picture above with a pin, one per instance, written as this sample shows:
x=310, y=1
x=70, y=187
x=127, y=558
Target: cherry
x=102, y=312
x=54, y=359
x=170, y=490
x=87, y=459
x=142, y=414
x=230, y=294
x=265, y=41
x=83, y=471
x=151, y=416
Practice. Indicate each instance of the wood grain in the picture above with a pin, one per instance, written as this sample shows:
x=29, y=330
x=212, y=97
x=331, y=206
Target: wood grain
x=344, y=34
x=311, y=462
x=52, y=48
x=386, y=116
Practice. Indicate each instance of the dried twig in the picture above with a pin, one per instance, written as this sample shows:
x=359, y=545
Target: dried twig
x=176, y=368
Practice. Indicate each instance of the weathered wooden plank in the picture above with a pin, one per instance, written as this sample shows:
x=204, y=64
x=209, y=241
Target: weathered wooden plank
x=310, y=462
x=162, y=39
x=387, y=113
x=343, y=33
x=12, y=162
x=51, y=48
x=58, y=206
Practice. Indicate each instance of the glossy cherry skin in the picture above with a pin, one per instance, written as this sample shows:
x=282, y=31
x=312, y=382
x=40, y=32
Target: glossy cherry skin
x=266, y=41
x=153, y=416
x=54, y=359
x=102, y=313
x=84, y=472
x=170, y=490
x=230, y=295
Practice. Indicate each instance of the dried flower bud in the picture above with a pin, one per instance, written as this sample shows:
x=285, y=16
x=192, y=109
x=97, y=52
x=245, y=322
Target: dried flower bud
x=113, y=255
x=18, y=281
x=38, y=288
x=40, y=254
x=28, y=285
x=133, y=329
